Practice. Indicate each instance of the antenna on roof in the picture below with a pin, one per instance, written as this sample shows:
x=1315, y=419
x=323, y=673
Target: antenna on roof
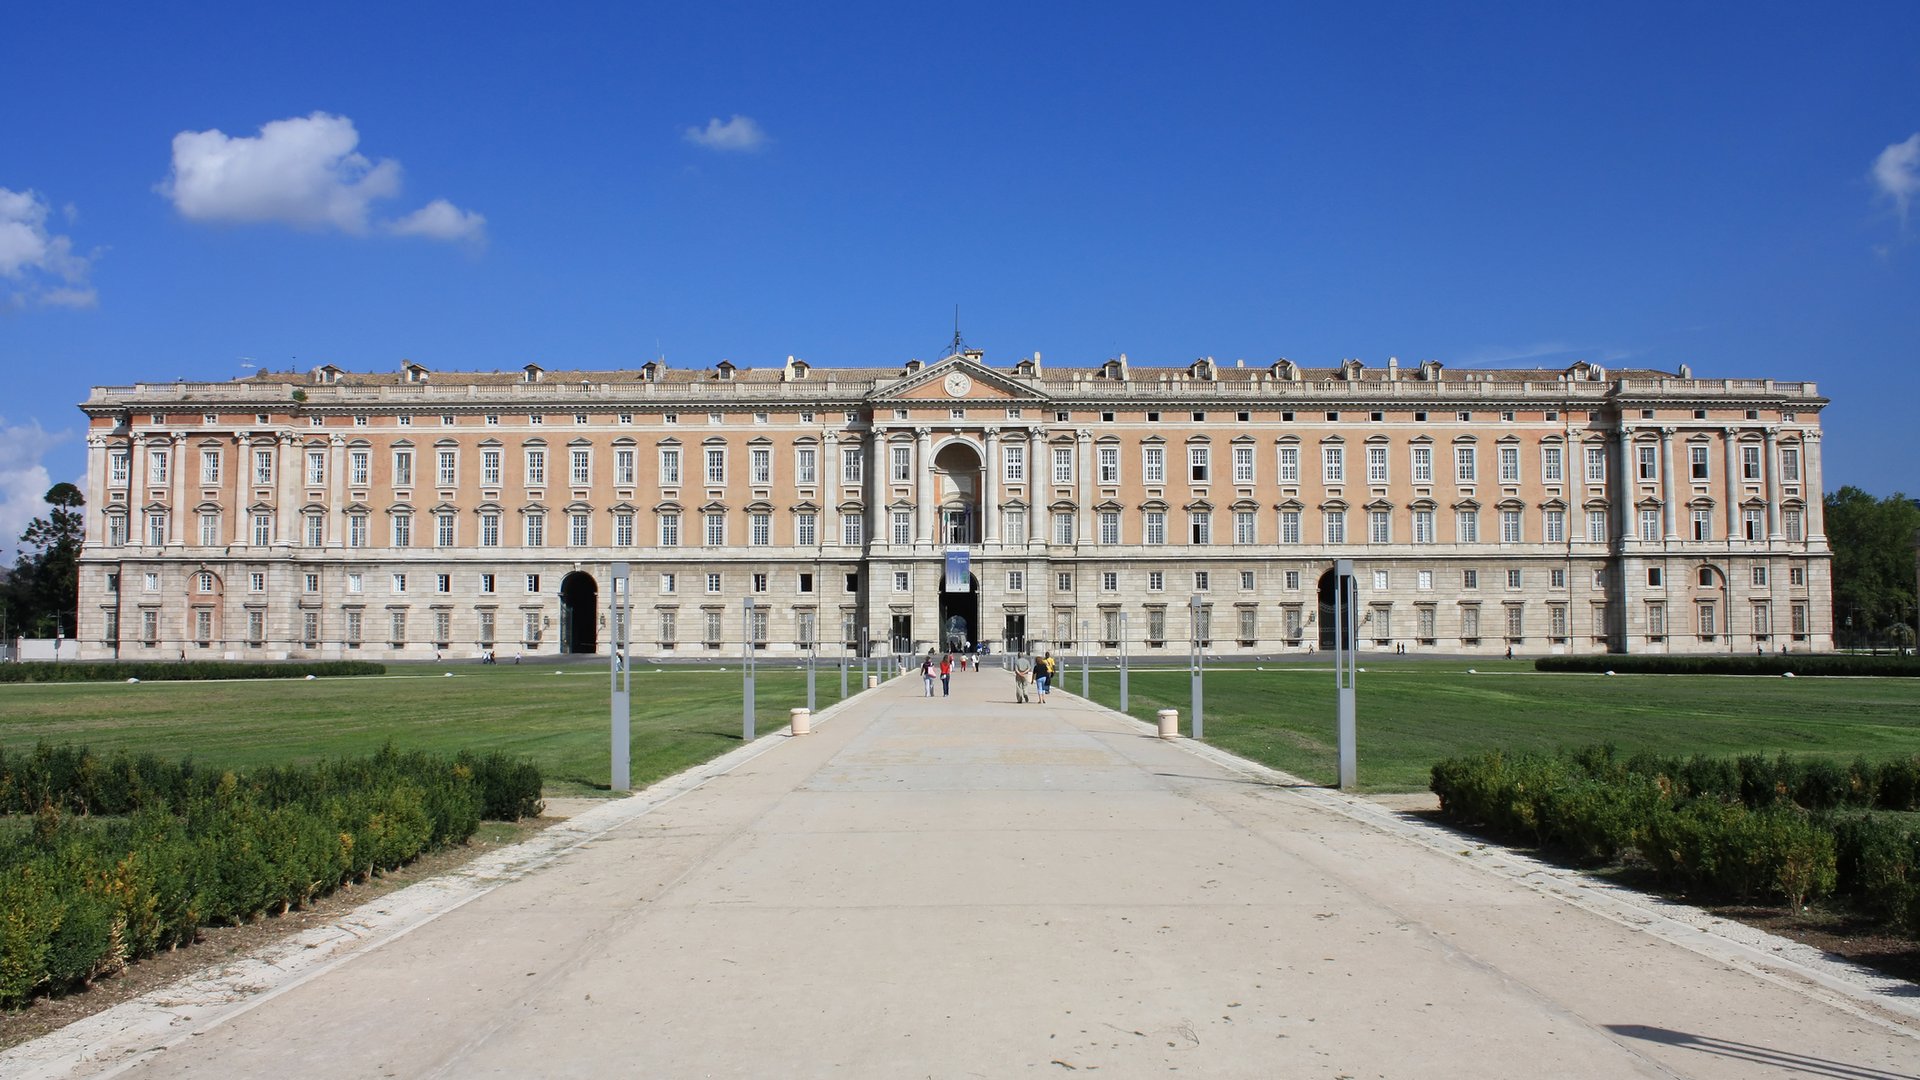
x=958, y=345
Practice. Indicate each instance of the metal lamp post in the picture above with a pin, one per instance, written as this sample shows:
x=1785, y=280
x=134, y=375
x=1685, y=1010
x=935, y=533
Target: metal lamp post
x=1123, y=661
x=1083, y=658
x=746, y=669
x=1345, y=630
x=620, y=675
x=1196, y=662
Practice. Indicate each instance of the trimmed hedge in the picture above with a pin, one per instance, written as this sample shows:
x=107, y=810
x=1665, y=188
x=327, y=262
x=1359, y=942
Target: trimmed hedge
x=174, y=848
x=183, y=671
x=1717, y=829
x=1732, y=664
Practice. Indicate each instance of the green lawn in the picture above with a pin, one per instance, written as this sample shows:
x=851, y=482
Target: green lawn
x=680, y=716
x=1413, y=713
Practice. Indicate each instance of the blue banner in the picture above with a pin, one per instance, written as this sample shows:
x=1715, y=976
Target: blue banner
x=958, y=577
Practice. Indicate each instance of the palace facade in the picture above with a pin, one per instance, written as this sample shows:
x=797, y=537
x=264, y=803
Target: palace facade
x=414, y=513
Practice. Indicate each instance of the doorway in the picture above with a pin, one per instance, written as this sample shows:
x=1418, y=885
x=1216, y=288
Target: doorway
x=960, y=617
x=579, y=603
x=1014, y=634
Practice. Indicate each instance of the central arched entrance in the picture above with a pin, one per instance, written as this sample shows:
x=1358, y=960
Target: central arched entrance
x=579, y=601
x=956, y=475
x=959, y=617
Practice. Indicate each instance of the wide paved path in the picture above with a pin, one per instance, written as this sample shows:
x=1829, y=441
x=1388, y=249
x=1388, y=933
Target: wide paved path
x=962, y=887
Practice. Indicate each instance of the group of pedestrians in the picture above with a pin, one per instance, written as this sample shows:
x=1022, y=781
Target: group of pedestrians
x=1039, y=673
x=943, y=667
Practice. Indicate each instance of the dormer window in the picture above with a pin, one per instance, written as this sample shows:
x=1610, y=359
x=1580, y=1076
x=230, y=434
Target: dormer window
x=915, y=365
x=415, y=373
x=1201, y=369
x=724, y=370
x=1350, y=370
x=533, y=373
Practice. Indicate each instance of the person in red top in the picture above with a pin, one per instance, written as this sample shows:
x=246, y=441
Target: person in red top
x=946, y=673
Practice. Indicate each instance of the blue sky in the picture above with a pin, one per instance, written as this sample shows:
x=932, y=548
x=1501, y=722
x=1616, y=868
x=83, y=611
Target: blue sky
x=1721, y=186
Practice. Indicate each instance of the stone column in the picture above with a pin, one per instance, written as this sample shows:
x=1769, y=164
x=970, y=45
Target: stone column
x=875, y=485
x=1083, y=514
x=828, y=530
x=1770, y=464
x=137, y=481
x=1036, y=506
x=95, y=520
x=990, y=490
x=924, y=531
x=1625, y=486
x=1668, y=517
x=1810, y=484
x=286, y=474
x=1731, y=435
x=337, y=491
x=242, y=451
x=176, y=512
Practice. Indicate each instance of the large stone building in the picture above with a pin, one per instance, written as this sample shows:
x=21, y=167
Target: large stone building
x=415, y=513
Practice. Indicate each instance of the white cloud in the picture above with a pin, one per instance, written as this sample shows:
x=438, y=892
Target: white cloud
x=1896, y=172
x=304, y=171
x=23, y=480
x=441, y=220
x=739, y=134
x=38, y=268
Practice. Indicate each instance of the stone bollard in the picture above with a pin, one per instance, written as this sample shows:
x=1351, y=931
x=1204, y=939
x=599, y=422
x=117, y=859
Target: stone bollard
x=1169, y=723
x=802, y=721
x=873, y=681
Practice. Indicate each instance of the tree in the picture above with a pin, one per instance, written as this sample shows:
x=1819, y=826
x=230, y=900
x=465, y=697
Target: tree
x=43, y=593
x=1872, y=541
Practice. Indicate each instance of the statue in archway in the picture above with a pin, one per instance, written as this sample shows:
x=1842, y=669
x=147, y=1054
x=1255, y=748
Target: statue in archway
x=956, y=633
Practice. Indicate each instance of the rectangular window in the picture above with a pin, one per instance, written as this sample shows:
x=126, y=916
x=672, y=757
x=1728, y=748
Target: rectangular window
x=536, y=531
x=1423, y=580
x=1649, y=523
x=1702, y=524
x=1423, y=464
x=443, y=583
x=1794, y=524
x=806, y=529
x=210, y=467
x=1199, y=527
x=1289, y=526
x=1015, y=459
x=761, y=582
x=623, y=468
x=903, y=581
x=1697, y=461
x=1016, y=581
x=355, y=583
x=1110, y=464
x=1469, y=579
x=579, y=467
x=1753, y=523
x=1156, y=581
x=760, y=529
x=902, y=457
x=1376, y=464
x=1016, y=531
x=316, y=468
x=716, y=466
x=1749, y=463
x=578, y=530
x=1333, y=462
x=1798, y=613
x=1596, y=465
x=1552, y=466
x=262, y=530
x=399, y=583
x=1596, y=526
x=1109, y=527
x=1382, y=580
x=1466, y=526
x=1423, y=532
x=1063, y=464
x=120, y=466
x=402, y=530
x=1707, y=618
x=1379, y=527
x=402, y=468
x=1555, y=527
x=1243, y=527
x=1243, y=464
x=1289, y=464
x=806, y=465
x=852, y=529
x=1789, y=465
x=1465, y=467
x=1156, y=527
x=489, y=530
x=1509, y=526
x=536, y=468
x=1063, y=527
x=1649, y=459
x=1509, y=464
x=1759, y=573
x=715, y=529
x=1516, y=622
x=446, y=467
x=1153, y=464
x=852, y=465
x=670, y=467
x=1156, y=627
x=1336, y=527
x=902, y=526
x=209, y=530
x=1202, y=581
x=623, y=529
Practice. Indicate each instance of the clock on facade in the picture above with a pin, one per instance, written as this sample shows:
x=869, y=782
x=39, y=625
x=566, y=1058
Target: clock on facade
x=958, y=383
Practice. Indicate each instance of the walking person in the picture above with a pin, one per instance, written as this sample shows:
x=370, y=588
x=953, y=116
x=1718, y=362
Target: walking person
x=946, y=673
x=1043, y=675
x=926, y=672
x=1022, y=677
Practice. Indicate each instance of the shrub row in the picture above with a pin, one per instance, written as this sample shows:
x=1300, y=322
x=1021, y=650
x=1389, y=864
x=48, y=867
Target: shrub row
x=1699, y=840
x=40, y=671
x=77, y=780
x=81, y=897
x=1732, y=664
x=1757, y=781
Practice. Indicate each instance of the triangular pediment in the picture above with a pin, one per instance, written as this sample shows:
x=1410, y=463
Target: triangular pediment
x=982, y=385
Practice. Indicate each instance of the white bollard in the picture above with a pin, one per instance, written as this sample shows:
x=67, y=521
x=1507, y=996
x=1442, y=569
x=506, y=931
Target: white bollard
x=802, y=721
x=873, y=681
x=1169, y=723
